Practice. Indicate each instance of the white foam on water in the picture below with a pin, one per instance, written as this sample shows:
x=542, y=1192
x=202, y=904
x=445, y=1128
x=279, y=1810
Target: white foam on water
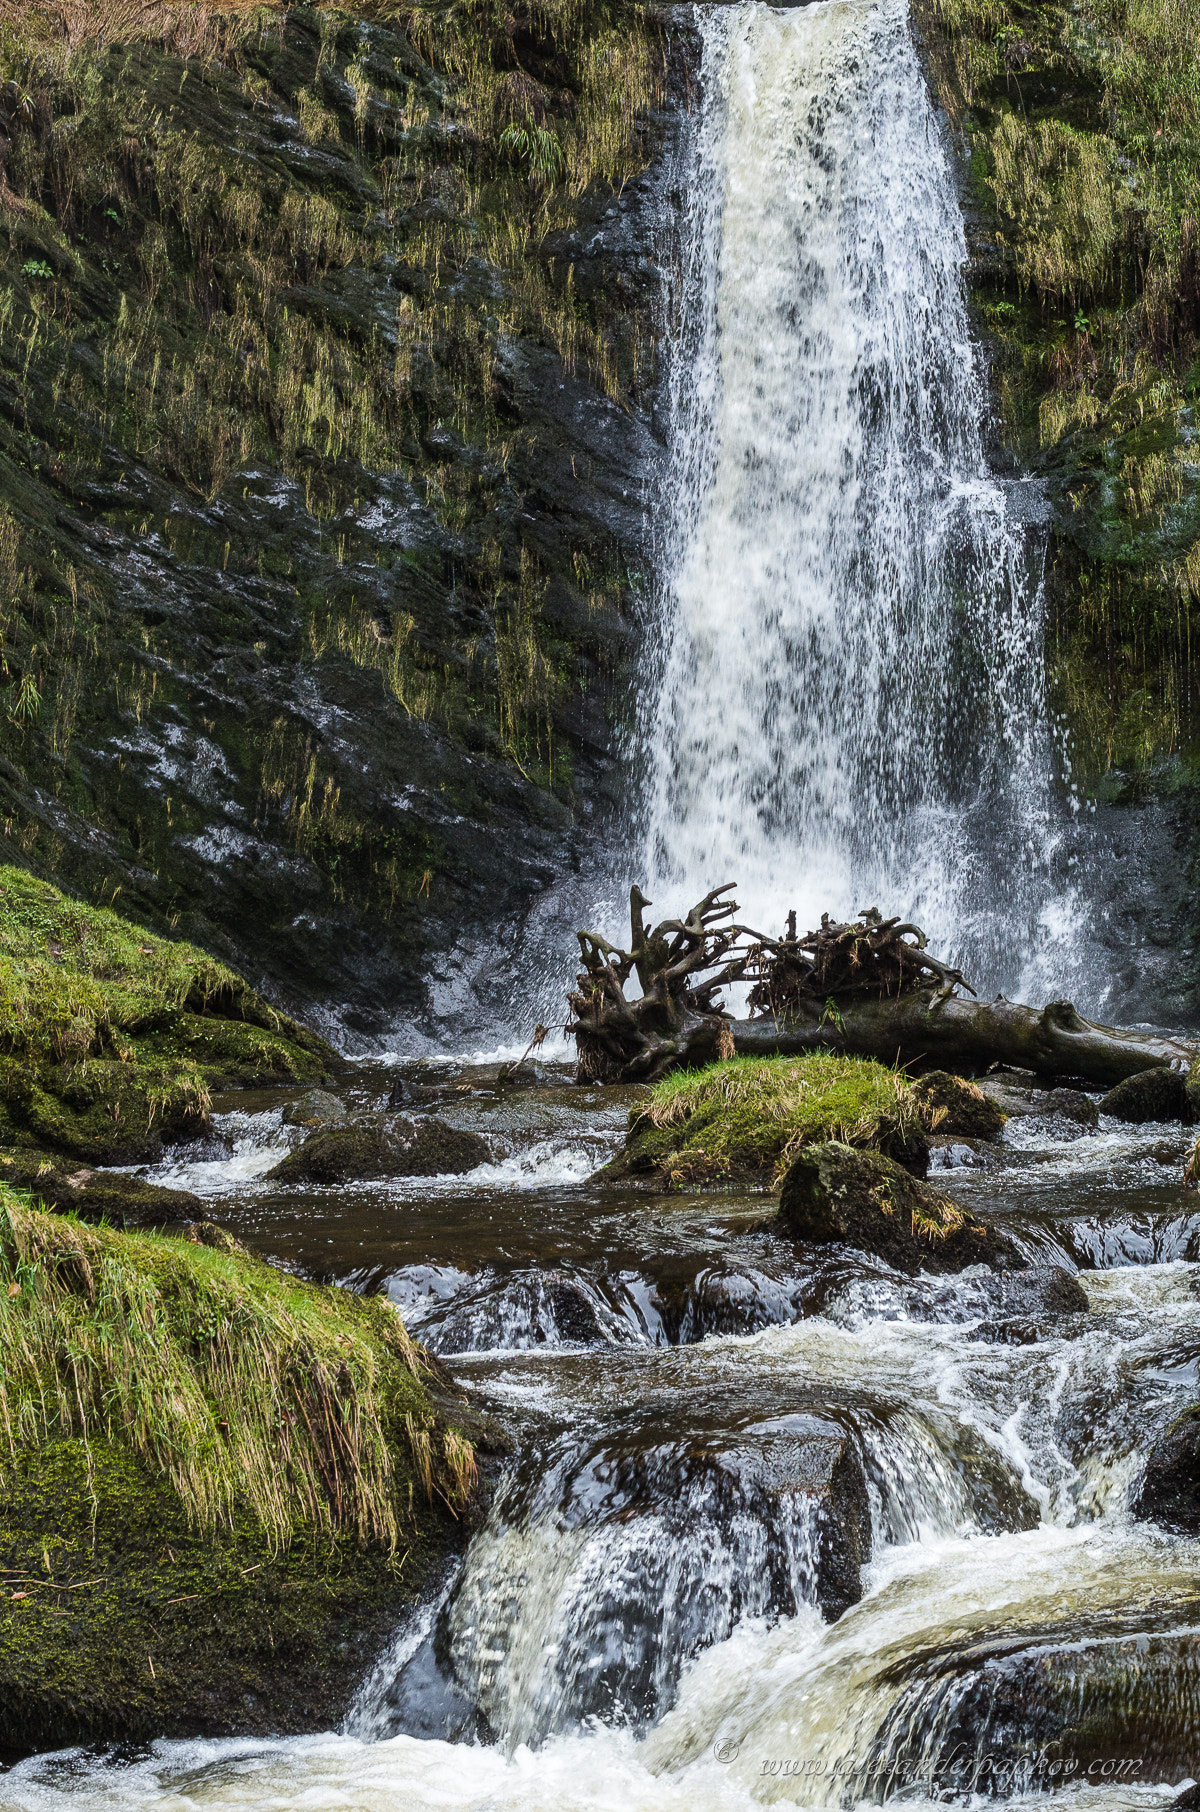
x=847, y=702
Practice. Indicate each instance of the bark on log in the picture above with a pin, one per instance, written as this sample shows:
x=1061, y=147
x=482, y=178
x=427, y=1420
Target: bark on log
x=954, y=1032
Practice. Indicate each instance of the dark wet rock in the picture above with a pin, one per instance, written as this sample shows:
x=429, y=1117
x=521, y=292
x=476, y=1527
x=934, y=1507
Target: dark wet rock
x=1169, y=1492
x=649, y=1549
x=833, y=1194
x=98, y=1195
x=538, y=1308
x=316, y=1107
x=1071, y=1104
x=724, y=1299
x=1158, y=1094
x=953, y=1105
x=386, y=1146
x=1107, y=1695
x=1021, y=1094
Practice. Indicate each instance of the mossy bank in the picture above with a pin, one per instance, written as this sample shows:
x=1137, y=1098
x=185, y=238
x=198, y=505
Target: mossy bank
x=220, y=1486
x=327, y=361
x=112, y=1039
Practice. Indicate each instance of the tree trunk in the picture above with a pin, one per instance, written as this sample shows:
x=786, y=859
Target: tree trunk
x=948, y=1030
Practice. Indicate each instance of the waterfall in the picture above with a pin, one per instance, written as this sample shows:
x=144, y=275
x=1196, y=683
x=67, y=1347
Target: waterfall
x=847, y=706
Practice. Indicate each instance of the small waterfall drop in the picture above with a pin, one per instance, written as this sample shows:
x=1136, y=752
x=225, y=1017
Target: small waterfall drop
x=848, y=707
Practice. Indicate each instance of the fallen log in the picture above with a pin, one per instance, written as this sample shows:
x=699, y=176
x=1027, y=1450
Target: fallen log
x=869, y=988
x=950, y=1031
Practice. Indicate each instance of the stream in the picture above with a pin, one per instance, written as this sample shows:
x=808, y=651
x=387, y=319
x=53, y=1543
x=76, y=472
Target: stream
x=783, y=1524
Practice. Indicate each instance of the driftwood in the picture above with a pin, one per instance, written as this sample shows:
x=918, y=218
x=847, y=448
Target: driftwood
x=870, y=988
x=947, y=1031
x=676, y=1020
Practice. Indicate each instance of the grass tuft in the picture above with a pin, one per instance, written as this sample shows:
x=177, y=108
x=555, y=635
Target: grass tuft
x=754, y=1114
x=247, y=1388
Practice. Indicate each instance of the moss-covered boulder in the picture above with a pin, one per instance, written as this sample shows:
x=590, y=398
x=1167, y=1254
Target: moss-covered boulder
x=112, y=1039
x=951, y=1104
x=97, y=1195
x=382, y=1146
x=834, y=1195
x=744, y=1120
x=1158, y=1094
x=218, y=1485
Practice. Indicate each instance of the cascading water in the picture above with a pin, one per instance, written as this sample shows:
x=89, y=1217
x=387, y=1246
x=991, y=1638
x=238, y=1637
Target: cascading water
x=848, y=704
x=727, y=1439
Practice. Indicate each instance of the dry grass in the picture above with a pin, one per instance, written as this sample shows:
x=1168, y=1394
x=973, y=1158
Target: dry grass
x=244, y=1386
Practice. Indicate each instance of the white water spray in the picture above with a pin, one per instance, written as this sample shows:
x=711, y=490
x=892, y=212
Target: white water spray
x=850, y=705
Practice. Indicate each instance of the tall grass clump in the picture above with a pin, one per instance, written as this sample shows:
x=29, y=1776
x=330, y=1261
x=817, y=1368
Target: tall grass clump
x=754, y=1114
x=248, y=1389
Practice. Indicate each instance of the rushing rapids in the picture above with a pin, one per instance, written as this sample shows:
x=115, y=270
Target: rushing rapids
x=783, y=1527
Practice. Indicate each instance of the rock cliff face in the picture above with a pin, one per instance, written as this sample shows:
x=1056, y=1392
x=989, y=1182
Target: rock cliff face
x=1076, y=127
x=327, y=378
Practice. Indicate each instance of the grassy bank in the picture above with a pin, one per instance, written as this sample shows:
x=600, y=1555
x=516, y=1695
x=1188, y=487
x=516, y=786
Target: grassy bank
x=746, y=1119
x=219, y=1483
x=111, y=1037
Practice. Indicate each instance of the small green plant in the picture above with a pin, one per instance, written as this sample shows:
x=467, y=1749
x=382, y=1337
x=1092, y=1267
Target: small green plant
x=537, y=148
x=832, y=1015
x=38, y=269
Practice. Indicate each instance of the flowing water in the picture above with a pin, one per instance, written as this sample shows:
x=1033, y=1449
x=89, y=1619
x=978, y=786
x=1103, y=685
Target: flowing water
x=783, y=1524
x=850, y=706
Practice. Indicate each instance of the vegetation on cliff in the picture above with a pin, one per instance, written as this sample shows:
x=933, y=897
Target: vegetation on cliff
x=1083, y=128
x=219, y=1483
x=303, y=318
x=112, y=1038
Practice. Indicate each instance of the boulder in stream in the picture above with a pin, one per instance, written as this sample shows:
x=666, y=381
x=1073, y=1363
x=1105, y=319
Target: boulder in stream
x=97, y=1195
x=232, y=1561
x=834, y=1195
x=1170, y=1489
x=382, y=1146
x=954, y=1105
x=1159, y=1094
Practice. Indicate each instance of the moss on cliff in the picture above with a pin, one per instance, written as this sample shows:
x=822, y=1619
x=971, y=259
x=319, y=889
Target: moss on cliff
x=748, y=1118
x=111, y=1037
x=288, y=297
x=219, y=1484
x=1083, y=127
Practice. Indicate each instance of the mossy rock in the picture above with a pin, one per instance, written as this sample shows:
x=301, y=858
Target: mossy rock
x=390, y=1146
x=834, y=1195
x=954, y=1105
x=98, y=1195
x=112, y=1039
x=742, y=1120
x=1158, y=1094
x=180, y=1633
x=219, y=1485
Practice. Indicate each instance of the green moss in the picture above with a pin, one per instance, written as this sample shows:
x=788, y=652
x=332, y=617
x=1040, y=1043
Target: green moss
x=112, y=1038
x=748, y=1117
x=218, y=1484
x=122, y=1619
x=1085, y=171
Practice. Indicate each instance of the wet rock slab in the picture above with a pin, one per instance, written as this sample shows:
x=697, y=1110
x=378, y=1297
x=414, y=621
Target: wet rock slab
x=370, y=1148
